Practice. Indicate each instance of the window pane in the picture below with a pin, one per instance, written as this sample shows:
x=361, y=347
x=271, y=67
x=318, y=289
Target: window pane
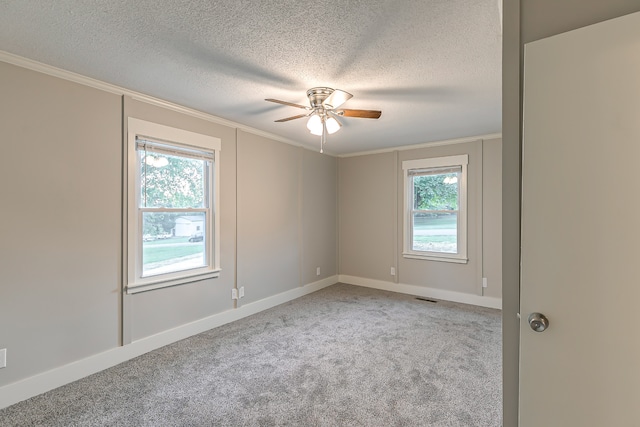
x=436, y=192
x=172, y=242
x=435, y=232
x=172, y=181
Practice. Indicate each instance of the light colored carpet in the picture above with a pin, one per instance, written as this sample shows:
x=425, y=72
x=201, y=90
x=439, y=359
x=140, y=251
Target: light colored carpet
x=343, y=356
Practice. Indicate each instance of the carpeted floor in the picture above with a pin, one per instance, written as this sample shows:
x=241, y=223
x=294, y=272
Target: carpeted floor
x=343, y=356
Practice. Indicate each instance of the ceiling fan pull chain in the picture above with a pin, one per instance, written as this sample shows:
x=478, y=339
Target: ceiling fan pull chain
x=324, y=102
x=323, y=137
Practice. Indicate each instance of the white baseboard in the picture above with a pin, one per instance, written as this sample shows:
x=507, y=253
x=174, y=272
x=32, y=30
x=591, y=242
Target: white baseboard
x=422, y=291
x=41, y=383
x=263, y=304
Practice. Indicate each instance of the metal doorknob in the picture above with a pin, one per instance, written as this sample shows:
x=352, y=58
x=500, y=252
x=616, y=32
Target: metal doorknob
x=538, y=322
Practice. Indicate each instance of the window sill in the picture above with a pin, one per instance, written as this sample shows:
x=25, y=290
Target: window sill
x=445, y=258
x=151, y=284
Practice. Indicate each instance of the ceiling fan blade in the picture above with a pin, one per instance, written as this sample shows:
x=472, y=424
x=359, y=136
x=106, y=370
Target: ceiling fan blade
x=291, y=104
x=364, y=114
x=292, y=118
x=336, y=99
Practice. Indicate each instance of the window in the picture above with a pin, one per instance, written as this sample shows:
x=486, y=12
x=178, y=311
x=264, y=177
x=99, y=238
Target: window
x=435, y=220
x=172, y=203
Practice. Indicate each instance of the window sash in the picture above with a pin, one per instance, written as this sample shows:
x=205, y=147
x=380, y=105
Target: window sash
x=208, y=239
x=438, y=239
x=195, y=146
x=430, y=167
x=207, y=179
x=208, y=235
x=436, y=211
x=172, y=149
x=412, y=233
x=434, y=171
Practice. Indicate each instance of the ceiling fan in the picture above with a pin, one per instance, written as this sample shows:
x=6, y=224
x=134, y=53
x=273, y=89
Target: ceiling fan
x=324, y=111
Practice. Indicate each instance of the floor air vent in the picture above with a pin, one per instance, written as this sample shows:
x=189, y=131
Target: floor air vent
x=427, y=300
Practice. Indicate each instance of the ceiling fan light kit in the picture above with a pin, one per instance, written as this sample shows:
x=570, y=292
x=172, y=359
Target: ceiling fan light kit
x=333, y=125
x=315, y=125
x=323, y=111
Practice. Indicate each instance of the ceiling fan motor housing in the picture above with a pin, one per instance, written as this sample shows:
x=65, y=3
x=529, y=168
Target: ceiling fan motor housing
x=324, y=103
x=317, y=95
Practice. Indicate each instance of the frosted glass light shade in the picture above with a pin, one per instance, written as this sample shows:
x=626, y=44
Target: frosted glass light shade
x=333, y=125
x=315, y=124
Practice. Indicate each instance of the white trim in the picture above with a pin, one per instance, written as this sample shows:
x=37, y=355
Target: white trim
x=423, y=291
x=165, y=283
x=50, y=70
x=41, y=383
x=281, y=298
x=463, y=217
x=426, y=145
x=436, y=162
x=133, y=279
x=443, y=257
x=151, y=130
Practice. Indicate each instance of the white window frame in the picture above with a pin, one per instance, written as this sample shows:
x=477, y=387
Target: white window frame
x=436, y=162
x=179, y=138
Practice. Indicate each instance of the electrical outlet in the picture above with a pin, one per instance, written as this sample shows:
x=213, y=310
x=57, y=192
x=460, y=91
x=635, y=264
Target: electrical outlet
x=3, y=358
x=234, y=293
x=241, y=291
x=484, y=282
x=393, y=271
x=317, y=271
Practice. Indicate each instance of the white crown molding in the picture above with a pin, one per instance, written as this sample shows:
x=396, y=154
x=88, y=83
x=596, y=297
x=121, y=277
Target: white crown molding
x=426, y=145
x=30, y=64
x=50, y=70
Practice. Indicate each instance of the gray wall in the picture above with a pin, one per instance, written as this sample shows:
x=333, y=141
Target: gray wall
x=367, y=208
x=526, y=21
x=492, y=216
x=371, y=212
x=61, y=223
x=320, y=213
x=284, y=235
x=268, y=221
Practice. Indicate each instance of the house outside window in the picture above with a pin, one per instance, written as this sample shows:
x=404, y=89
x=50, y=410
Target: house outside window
x=172, y=205
x=435, y=209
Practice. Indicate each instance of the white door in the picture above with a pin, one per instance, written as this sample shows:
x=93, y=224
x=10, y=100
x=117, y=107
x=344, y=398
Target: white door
x=581, y=228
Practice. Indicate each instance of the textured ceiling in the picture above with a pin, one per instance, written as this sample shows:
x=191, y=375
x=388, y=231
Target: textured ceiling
x=432, y=66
